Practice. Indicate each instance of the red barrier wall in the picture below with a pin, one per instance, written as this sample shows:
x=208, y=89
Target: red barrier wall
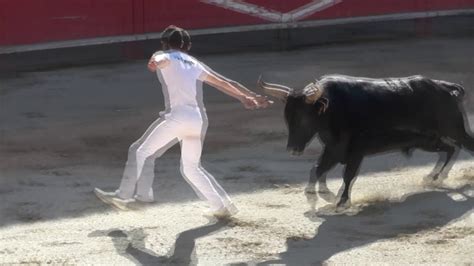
x=34, y=21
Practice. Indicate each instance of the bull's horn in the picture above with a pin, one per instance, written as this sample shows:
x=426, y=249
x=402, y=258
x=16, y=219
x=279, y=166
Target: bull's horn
x=313, y=92
x=278, y=91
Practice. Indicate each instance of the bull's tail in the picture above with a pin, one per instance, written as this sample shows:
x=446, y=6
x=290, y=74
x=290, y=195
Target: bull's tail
x=454, y=89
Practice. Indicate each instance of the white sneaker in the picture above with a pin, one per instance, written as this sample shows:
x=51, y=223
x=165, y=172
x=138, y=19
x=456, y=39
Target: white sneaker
x=104, y=193
x=223, y=213
x=111, y=198
x=138, y=203
x=143, y=200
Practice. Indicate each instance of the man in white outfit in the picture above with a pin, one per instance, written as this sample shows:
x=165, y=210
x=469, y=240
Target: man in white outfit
x=183, y=121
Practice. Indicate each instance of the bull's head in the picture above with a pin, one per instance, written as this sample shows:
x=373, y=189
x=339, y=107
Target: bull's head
x=302, y=111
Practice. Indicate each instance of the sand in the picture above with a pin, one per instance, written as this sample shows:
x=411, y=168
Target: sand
x=65, y=131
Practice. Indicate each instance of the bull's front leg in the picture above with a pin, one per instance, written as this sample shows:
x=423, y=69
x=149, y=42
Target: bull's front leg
x=351, y=170
x=318, y=174
x=324, y=191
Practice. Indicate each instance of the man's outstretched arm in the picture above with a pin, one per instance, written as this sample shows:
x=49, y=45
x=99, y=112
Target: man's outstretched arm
x=248, y=98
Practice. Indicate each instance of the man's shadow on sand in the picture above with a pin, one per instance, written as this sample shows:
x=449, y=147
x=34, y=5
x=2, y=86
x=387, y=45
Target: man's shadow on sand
x=384, y=220
x=183, y=253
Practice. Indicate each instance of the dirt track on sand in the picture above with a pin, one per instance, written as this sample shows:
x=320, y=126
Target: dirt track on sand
x=64, y=132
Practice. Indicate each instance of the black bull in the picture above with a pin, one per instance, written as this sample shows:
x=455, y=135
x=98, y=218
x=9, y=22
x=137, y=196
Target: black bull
x=355, y=117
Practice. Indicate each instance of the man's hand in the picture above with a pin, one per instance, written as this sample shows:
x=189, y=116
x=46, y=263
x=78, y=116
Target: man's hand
x=152, y=65
x=263, y=101
x=249, y=102
x=255, y=102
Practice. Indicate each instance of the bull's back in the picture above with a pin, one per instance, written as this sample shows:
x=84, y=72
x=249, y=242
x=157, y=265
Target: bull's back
x=403, y=103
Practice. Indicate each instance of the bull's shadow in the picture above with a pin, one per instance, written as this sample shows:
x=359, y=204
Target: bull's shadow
x=131, y=245
x=379, y=221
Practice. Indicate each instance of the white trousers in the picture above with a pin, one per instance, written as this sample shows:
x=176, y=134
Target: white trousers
x=189, y=128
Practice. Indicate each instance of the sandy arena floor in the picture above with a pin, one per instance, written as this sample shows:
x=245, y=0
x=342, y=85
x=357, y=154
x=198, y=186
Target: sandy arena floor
x=65, y=131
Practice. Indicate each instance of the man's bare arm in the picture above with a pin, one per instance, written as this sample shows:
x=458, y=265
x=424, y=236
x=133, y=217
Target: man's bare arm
x=225, y=86
x=248, y=98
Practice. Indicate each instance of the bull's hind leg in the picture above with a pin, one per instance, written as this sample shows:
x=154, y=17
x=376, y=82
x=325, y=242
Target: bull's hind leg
x=448, y=153
x=455, y=128
x=468, y=142
x=318, y=174
x=458, y=129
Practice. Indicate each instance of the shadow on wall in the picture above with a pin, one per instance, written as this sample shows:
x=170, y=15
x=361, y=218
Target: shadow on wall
x=383, y=220
x=131, y=245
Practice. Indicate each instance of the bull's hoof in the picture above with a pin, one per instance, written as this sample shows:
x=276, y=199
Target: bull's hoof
x=431, y=183
x=427, y=182
x=312, y=198
x=343, y=204
x=327, y=195
x=435, y=178
x=311, y=214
